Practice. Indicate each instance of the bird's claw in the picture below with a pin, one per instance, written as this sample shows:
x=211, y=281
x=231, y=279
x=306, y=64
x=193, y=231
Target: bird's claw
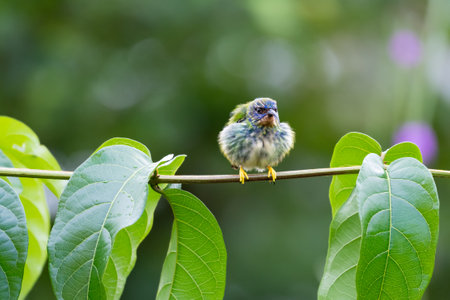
x=272, y=173
x=242, y=175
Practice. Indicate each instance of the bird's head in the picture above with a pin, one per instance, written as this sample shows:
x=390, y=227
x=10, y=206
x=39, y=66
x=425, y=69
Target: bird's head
x=263, y=112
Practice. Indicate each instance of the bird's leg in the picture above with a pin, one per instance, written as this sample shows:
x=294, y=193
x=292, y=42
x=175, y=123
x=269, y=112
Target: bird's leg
x=271, y=173
x=242, y=175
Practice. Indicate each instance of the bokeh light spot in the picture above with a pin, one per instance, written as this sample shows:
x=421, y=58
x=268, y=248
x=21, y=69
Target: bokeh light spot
x=421, y=134
x=405, y=48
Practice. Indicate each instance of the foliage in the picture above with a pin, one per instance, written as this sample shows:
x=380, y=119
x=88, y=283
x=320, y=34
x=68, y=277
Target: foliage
x=167, y=73
x=382, y=242
x=399, y=221
x=22, y=147
x=383, y=237
x=13, y=242
x=195, y=264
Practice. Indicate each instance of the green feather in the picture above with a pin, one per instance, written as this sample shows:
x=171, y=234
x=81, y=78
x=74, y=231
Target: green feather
x=239, y=113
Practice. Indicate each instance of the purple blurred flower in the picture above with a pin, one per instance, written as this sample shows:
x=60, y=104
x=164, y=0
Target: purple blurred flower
x=405, y=48
x=421, y=134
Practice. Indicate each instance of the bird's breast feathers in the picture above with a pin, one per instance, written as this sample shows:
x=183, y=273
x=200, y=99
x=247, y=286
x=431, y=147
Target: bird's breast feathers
x=255, y=148
x=262, y=153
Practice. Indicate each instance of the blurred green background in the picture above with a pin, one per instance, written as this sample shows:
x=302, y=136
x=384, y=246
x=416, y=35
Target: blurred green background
x=167, y=73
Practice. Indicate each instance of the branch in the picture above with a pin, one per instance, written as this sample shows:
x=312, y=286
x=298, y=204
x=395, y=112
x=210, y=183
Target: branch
x=65, y=175
x=35, y=173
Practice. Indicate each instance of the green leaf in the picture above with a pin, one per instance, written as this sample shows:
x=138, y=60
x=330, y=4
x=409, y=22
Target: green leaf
x=23, y=148
x=339, y=278
x=34, y=203
x=405, y=149
x=38, y=224
x=349, y=151
x=106, y=194
x=126, y=142
x=338, y=281
x=123, y=254
x=13, y=242
x=196, y=260
x=398, y=207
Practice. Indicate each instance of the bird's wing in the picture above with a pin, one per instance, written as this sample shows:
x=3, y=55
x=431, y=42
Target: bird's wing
x=238, y=114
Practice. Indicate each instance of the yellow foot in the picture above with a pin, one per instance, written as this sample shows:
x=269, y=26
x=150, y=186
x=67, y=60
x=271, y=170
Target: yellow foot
x=242, y=175
x=272, y=173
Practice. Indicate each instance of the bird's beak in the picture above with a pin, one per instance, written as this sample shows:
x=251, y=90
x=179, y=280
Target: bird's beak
x=270, y=119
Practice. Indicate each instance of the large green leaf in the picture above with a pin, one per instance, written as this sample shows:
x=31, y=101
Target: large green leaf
x=13, y=242
x=398, y=207
x=106, y=194
x=338, y=281
x=196, y=260
x=123, y=254
x=35, y=206
x=22, y=146
x=339, y=278
x=350, y=150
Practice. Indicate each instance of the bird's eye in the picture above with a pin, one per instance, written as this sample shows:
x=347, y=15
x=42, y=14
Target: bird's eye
x=260, y=110
x=275, y=109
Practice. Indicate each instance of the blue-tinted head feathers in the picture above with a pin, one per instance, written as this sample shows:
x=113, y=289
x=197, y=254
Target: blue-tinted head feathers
x=263, y=112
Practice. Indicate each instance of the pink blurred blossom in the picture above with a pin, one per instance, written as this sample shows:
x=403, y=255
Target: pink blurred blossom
x=405, y=48
x=421, y=134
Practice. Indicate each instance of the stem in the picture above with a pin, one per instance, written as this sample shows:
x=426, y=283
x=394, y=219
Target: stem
x=35, y=173
x=65, y=175
x=255, y=177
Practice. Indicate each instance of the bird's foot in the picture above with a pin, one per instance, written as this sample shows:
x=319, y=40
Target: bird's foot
x=272, y=173
x=242, y=175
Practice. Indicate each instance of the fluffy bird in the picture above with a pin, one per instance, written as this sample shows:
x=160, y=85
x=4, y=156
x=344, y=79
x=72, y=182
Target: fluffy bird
x=254, y=138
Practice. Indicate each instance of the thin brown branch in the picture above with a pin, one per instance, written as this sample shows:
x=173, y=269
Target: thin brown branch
x=65, y=175
x=35, y=173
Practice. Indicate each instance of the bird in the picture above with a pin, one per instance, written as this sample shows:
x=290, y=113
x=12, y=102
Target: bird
x=254, y=138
